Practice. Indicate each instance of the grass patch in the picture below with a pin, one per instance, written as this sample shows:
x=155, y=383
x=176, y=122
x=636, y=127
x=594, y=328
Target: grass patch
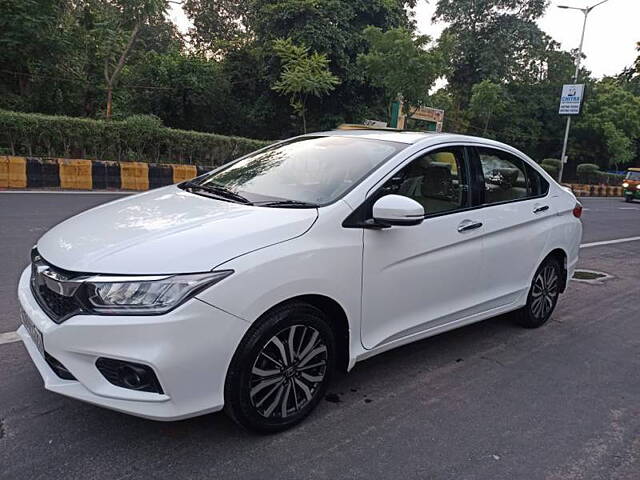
x=582, y=275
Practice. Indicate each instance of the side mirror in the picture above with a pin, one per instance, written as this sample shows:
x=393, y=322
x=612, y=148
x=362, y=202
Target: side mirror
x=397, y=210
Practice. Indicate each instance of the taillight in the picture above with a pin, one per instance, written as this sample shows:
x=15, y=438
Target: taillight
x=577, y=210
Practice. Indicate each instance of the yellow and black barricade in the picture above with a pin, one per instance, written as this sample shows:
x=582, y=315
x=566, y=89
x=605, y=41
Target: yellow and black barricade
x=160, y=175
x=13, y=172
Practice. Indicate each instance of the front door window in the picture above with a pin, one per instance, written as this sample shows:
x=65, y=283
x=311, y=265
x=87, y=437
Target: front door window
x=436, y=180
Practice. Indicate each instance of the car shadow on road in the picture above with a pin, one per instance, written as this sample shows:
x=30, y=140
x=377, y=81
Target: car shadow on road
x=215, y=444
x=369, y=379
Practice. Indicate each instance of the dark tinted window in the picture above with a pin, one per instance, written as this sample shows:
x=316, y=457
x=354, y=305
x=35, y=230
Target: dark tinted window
x=436, y=180
x=504, y=176
x=537, y=184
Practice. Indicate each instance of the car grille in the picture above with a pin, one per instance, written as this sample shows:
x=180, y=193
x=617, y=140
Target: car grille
x=56, y=305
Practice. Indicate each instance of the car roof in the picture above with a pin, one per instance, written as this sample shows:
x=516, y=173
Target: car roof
x=409, y=137
x=634, y=169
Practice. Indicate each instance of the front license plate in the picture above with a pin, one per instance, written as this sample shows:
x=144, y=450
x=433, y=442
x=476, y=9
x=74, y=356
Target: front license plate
x=34, y=333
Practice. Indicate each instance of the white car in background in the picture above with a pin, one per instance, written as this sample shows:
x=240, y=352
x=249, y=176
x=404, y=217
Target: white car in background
x=245, y=287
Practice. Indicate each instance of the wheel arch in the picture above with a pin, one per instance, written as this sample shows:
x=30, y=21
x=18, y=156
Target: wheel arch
x=561, y=256
x=338, y=321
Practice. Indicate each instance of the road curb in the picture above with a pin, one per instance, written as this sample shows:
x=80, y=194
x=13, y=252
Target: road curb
x=80, y=174
x=582, y=190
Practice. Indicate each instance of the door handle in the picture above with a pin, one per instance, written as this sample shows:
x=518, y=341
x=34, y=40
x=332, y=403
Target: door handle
x=543, y=208
x=467, y=225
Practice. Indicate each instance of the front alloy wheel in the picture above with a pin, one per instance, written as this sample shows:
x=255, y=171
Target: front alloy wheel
x=288, y=371
x=281, y=368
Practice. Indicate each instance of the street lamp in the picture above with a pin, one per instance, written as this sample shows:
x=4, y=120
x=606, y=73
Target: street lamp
x=586, y=11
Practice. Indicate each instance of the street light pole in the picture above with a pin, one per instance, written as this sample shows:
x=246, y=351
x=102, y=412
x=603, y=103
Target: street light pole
x=586, y=12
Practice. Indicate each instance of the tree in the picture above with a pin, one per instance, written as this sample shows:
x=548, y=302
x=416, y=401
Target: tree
x=629, y=79
x=218, y=25
x=303, y=74
x=332, y=27
x=119, y=23
x=188, y=91
x=487, y=98
x=400, y=64
x=496, y=40
x=29, y=33
x=609, y=129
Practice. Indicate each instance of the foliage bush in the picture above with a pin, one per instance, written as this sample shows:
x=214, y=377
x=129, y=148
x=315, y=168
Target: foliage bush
x=137, y=138
x=613, y=179
x=588, y=168
x=552, y=162
x=550, y=169
x=589, y=173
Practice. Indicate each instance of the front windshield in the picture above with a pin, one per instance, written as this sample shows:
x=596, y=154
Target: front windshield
x=314, y=170
x=633, y=176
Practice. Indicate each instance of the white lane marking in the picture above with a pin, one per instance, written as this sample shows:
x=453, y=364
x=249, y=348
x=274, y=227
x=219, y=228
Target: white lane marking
x=627, y=208
x=610, y=242
x=67, y=192
x=9, y=337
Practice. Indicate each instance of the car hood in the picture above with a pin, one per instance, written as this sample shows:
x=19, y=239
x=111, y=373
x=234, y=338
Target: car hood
x=165, y=231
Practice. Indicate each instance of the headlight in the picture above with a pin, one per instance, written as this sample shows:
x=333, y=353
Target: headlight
x=145, y=295
x=638, y=187
x=625, y=184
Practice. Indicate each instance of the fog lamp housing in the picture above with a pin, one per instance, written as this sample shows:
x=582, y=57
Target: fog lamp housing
x=130, y=375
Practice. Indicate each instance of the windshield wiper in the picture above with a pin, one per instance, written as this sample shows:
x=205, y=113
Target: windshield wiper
x=217, y=190
x=286, y=204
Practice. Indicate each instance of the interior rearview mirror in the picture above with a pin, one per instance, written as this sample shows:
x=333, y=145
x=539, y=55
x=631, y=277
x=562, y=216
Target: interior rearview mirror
x=397, y=210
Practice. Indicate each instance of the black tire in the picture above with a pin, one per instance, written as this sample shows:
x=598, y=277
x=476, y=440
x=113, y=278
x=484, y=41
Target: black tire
x=259, y=377
x=628, y=199
x=543, y=295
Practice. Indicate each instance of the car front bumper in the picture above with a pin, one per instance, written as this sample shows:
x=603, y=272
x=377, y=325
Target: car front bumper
x=189, y=349
x=635, y=193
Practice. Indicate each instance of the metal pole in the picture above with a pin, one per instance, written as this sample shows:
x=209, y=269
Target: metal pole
x=586, y=12
x=575, y=80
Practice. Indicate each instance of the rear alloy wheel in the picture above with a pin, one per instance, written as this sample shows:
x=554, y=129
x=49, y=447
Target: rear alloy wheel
x=281, y=369
x=543, y=295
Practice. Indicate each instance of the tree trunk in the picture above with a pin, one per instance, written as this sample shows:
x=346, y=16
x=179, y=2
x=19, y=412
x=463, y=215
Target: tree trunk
x=113, y=77
x=109, y=101
x=486, y=124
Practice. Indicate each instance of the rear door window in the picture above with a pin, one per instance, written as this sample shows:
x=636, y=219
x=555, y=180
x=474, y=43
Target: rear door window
x=508, y=178
x=537, y=184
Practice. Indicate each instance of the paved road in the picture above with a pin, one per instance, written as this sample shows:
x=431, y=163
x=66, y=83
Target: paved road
x=489, y=401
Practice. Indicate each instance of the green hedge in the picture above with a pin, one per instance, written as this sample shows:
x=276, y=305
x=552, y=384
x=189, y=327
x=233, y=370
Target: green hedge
x=139, y=138
x=590, y=173
x=551, y=166
x=550, y=169
x=551, y=162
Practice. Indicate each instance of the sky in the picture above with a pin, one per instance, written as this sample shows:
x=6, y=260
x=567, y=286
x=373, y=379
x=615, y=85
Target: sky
x=610, y=40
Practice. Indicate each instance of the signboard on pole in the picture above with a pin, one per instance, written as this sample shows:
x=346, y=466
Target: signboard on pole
x=431, y=115
x=571, y=99
x=432, y=118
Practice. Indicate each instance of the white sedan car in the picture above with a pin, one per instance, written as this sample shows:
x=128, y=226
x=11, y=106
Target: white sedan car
x=246, y=287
